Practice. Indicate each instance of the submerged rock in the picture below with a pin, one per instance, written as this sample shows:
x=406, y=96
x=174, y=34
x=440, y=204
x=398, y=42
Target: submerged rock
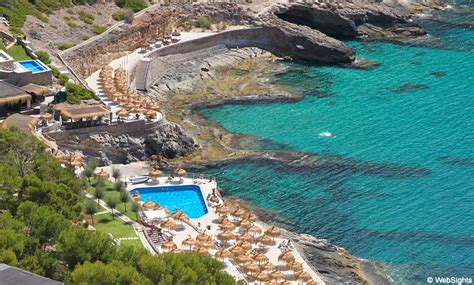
x=438, y=73
x=366, y=64
x=410, y=87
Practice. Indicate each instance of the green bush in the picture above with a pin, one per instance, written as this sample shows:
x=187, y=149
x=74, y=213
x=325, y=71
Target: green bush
x=43, y=56
x=96, y=29
x=64, y=46
x=86, y=17
x=72, y=25
x=16, y=11
x=76, y=93
x=203, y=22
x=63, y=79
x=134, y=5
x=118, y=15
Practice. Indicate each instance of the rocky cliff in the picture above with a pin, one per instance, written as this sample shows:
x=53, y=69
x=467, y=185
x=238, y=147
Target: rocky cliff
x=120, y=145
x=348, y=20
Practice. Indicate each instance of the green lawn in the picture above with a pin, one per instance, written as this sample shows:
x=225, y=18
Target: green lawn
x=18, y=52
x=134, y=242
x=118, y=228
x=110, y=192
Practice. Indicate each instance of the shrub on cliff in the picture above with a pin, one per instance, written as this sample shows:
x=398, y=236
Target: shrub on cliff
x=76, y=93
x=43, y=56
x=134, y=5
x=203, y=22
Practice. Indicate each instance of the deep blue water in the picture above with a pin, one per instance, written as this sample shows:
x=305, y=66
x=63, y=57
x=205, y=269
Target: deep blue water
x=415, y=111
x=184, y=198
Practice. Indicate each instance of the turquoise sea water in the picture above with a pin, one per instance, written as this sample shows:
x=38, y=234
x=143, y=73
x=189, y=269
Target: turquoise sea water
x=415, y=110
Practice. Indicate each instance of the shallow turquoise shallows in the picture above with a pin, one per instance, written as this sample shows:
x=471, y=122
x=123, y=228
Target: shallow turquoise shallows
x=415, y=111
x=186, y=198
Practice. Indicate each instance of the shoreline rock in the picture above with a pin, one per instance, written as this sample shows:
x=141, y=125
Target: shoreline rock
x=335, y=264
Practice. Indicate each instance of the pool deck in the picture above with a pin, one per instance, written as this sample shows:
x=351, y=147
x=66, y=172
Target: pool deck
x=199, y=225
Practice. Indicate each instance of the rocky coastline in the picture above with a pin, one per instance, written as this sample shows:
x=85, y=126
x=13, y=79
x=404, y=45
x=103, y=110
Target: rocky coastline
x=245, y=76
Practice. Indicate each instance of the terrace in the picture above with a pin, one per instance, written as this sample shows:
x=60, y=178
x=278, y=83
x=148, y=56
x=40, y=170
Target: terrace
x=175, y=220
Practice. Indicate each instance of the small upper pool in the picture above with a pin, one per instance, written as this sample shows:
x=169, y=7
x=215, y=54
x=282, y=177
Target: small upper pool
x=187, y=198
x=33, y=65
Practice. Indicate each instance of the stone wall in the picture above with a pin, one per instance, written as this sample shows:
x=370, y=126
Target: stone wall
x=298, y=42
x=133, y=128
x=44, y=78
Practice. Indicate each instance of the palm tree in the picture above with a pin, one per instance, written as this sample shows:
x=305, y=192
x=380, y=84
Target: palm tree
x=135, y=208
x=112, y=203
x=99, y=193
x=116, y=173
x=91, y=209
x=124, y=198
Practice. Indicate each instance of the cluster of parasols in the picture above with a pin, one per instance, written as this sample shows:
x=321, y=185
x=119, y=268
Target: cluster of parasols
x=116, y=88
x=247, y=249
x=71, y=161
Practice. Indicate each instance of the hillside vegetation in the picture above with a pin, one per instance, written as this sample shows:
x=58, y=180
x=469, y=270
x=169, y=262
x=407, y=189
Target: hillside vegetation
x=17, y=10
x=41, y=229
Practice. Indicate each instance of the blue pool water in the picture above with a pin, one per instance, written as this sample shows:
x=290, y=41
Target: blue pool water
x=414, y=111
x=186, y=198
x=32, y=65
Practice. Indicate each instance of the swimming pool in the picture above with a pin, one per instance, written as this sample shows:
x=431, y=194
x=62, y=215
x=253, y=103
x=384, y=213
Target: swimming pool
x=187, y=198
x=32, y=65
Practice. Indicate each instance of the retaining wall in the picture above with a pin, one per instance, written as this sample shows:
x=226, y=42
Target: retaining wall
x=135, y=128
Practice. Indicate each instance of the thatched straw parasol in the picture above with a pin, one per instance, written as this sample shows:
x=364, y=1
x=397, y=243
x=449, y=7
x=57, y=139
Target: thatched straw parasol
x=47, y=116
x=245, y=224
x=295, y=266
x=251, y=267
x=243, y=259
x=203, y=237
x=223, y=209
x=260, y=258
x=223, y=220
x=244, y=244
x=103, y=174
x=250, y=217
x=277, y=275
x=246, y=237
x=176, y=215
x=237, y=250
x=269, y=267
x=303, y=276
x=177, y=250
x=227, y=227
x=239, y=212
x=154, y=173
x=223, y=254
x=311, y=282
x=273, y=231
x=226, y=235
x=148, y=205
x=169, y=244
x=263, y=277
x=189, y=242
x=286, y=256
x=265, y=240
x=179, y=172
x=254, y=230
x=169, y=224
x=75, y=163
x=122, y=113
x=207, y=244
x=202, y=250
